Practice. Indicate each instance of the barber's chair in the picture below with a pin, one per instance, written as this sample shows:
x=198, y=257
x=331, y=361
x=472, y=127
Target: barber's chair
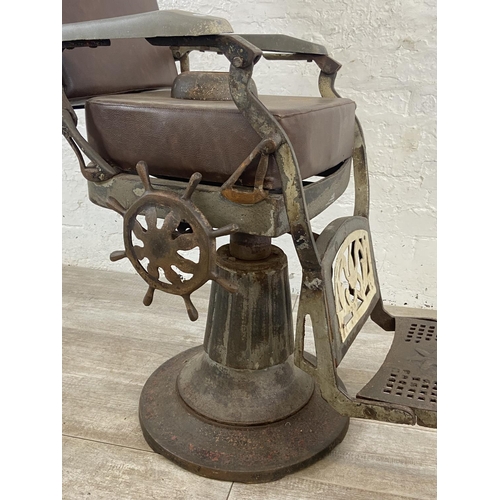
x=188, y=157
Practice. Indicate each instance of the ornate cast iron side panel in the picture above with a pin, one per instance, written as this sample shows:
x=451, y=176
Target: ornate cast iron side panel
x=354, y=281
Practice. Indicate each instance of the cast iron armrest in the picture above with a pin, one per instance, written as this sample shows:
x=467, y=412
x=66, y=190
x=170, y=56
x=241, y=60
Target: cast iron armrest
x=173, y=28
x=285, y=44
x=283, y=47
x=275, y=47
x=160, y=23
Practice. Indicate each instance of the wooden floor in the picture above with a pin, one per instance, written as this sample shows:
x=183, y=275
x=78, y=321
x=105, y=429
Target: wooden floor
x=112, y=343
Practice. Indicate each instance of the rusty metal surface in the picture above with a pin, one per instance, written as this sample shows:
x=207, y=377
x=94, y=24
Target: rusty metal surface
x=313, y=303
x=158, y=23
x=250, y=454
x=244, y=196
x=96, y=171
x=183, y=228
x=317, y=302
x=236, y=49
x=243, y=397
x=316, y=296
x=284, y=43
x=409, y=373
x=250, y=247
x=252, y=328
x=266, y=218
x=265, y=124
x=326, y=85
x=329, y=243
x=203, y=86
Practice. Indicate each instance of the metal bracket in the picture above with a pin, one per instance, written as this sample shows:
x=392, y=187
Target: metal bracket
x=244, y=196
x=98, y=169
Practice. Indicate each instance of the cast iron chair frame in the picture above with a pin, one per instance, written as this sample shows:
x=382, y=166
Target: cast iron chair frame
x=243, y=52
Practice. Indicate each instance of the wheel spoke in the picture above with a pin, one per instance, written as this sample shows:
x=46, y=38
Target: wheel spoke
x=138, y=230
x=139, y=252
x=170, y=222
x=172, y=276
x=185, y=265
x=185, y=241
x=151, y=217
x=153, y=270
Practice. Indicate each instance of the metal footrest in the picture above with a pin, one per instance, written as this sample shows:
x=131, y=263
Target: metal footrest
x=408, y=375
x=338, y=300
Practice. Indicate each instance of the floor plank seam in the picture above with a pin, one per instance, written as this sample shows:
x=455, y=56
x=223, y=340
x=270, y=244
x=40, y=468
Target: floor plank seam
x=229, y=492
x=414, y=428
x=107, y=443
x=357, y=488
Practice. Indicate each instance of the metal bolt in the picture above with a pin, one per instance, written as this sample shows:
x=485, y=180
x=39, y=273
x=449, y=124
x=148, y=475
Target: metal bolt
x=238, y=62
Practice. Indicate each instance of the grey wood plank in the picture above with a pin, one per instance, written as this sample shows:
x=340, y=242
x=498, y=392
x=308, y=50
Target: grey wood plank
x=412, y=311
x=101, y=471
x=375, y=461
x=112, y=343
x=108, y=302
x=384, y=458
x=102, y=383
x=298, y=488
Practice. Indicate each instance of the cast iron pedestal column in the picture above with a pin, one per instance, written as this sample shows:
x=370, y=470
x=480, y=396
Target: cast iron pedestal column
x=238, y=409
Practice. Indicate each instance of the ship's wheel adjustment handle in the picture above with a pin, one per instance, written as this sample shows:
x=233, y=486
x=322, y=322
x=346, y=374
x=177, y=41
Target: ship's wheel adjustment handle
x=169, y=241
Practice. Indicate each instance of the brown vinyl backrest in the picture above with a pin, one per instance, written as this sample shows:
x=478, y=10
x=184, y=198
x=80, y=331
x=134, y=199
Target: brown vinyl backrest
x=126, y=65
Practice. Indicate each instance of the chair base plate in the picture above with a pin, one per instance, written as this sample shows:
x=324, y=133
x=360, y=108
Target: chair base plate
x=248, y=454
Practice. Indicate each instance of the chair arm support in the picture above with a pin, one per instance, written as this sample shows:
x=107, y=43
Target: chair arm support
x=99, y=169
x=160, y=23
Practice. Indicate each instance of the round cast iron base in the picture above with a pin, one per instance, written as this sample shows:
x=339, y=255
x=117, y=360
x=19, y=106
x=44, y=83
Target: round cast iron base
x=248, y=454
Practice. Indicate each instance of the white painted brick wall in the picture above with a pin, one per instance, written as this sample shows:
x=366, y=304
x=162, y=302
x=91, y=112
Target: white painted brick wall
x=388, y=52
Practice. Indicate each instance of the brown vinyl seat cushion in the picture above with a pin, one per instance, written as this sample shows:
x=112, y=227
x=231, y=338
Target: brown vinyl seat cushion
x=177, y=137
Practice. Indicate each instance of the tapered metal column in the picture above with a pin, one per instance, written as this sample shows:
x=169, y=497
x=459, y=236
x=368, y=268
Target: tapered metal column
x=246, y=374
x=238, y=409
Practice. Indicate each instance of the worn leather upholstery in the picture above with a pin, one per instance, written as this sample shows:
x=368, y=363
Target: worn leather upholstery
x=178, y=137
x=126, y=65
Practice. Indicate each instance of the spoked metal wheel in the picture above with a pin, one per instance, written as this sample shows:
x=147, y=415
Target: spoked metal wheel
x=158, y=249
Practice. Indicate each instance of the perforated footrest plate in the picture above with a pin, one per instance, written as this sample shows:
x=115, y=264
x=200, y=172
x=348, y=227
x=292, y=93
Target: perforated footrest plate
x=408, y=375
